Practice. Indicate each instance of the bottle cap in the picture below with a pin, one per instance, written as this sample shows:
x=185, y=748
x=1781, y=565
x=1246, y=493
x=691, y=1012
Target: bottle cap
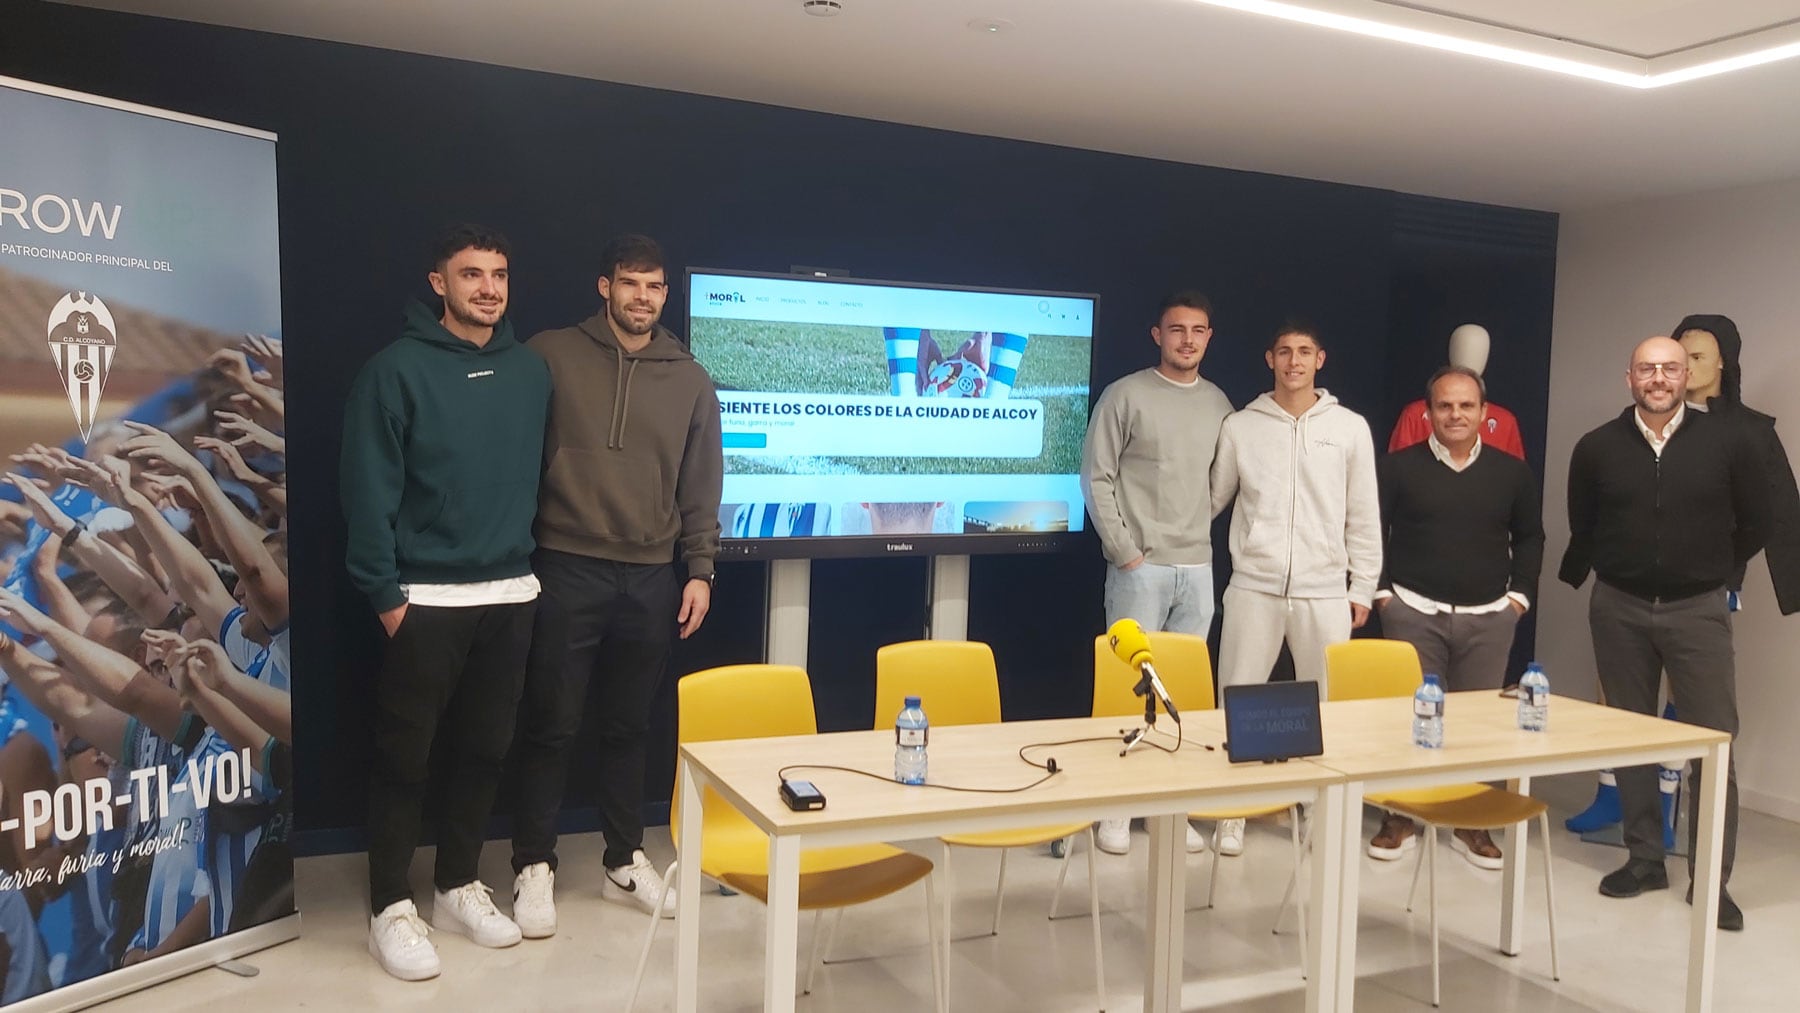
x=1431, y=677
x=912, y=701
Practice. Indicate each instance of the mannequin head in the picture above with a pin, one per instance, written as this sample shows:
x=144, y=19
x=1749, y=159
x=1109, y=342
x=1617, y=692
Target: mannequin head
x=1705, y=370
x=1714, y=338
x=1469, y=347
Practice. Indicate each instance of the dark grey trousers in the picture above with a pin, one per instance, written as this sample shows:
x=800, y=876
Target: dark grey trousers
x=1635, y=642
x=1466, y=651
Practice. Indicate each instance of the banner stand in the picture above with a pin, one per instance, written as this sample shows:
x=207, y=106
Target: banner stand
x=138, y=977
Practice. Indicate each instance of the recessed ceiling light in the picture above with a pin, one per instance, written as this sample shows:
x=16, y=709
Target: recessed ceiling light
x=1421, y=26
x=822, y=8
x=990, y=26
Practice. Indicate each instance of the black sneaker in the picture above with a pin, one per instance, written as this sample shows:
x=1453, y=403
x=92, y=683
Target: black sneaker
x=1634, y=877
x=1731, y=917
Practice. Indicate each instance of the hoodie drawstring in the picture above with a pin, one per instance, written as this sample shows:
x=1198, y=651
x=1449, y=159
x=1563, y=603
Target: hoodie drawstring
x=625, y=402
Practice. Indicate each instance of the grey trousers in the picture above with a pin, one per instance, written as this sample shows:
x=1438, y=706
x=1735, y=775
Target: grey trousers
x=1635, y=642
x=1466, y=651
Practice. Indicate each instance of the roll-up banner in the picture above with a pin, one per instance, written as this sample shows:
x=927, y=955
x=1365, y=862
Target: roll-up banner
x=145, y=724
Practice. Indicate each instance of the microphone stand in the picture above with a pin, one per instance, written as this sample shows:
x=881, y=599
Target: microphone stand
x=1134, y=737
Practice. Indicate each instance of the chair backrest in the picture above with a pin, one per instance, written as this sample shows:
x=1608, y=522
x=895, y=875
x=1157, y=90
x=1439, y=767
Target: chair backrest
x=1182, y=662
x=1368, y=668
x=739, y=702
x=955, y=680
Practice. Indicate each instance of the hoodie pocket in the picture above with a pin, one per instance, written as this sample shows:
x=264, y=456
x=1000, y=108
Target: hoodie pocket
x=610, y=495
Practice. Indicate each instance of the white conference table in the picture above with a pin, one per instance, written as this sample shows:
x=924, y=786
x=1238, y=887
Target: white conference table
x=1095, y=782
x=1370, y=743
x=1368, y=749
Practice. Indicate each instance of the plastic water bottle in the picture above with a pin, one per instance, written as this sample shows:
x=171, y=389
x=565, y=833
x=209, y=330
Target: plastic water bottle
x=911, y=732
x=1428, y=714
x=1534, y=699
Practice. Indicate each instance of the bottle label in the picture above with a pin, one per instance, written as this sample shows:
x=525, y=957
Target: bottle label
x=1425, y=708
x=910, y=736
x=1540, y=696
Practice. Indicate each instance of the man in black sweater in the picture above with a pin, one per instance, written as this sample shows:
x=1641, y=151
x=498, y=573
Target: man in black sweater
x=1665, y=505
x=1463, y=541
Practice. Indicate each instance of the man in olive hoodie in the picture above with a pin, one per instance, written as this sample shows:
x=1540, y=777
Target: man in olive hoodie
x=628, y=525
x=439, y=485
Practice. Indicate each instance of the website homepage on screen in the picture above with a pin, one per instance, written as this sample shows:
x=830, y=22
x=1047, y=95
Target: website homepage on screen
x=861, y=409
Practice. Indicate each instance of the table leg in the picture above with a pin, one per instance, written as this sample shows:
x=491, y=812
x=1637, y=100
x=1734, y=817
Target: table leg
x=1324, y=900
x=1167, y=914
x=1708, y=857
x=1512, y=879
x=783, y=924
x=1349, y=846
x=687, y=896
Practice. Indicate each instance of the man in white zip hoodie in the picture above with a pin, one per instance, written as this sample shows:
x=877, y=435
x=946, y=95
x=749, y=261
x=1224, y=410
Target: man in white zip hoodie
x=1306, y=531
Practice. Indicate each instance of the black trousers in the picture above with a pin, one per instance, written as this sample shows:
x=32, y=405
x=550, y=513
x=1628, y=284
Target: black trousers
x=610, y=624
x=455, y=672
x=1635, y=642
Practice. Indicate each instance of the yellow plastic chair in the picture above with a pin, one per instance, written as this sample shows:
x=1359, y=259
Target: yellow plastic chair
x=744, y=701
x=958, y=683
x=1370, y=668
x=1185, y=665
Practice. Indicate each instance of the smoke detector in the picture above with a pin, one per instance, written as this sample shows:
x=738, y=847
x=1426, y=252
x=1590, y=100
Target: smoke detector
x=822, y=8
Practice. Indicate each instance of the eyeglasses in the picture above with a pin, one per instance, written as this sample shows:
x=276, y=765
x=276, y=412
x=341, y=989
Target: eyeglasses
x=1646, y=370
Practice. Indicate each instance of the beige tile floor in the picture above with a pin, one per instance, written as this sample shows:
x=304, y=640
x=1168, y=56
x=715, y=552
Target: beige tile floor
x=1616, y=955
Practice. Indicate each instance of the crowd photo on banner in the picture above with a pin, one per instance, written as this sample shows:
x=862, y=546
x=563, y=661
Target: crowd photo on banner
x=144, y=712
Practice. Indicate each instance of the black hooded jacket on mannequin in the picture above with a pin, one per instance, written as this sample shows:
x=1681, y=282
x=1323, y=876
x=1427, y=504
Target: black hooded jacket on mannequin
x=1782, y=547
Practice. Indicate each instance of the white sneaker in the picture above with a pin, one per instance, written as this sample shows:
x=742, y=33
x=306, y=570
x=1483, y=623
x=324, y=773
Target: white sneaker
x=638, y=884
x=534, y=901
x=1196, y=841
x=1228, y=839
x=397, y=942
x=469, y=911
x=1114, y=836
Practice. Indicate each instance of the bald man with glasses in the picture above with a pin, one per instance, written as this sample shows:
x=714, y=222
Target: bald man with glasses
x=1665, y=505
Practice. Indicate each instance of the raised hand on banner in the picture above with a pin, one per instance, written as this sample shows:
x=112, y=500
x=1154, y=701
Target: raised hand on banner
x=267, y=351
x=160, y=645
x=39, y=506
x=167, y=491
x=44, y=460
x=21, y=613
x=244, y=432
x=233, y=461
x=234, y=366
x=14, y=517
x=150, y=445
x=269, y=411
x=109, y=478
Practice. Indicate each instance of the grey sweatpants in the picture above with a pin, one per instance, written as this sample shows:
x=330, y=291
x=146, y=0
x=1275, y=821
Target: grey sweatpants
x=1255, y=624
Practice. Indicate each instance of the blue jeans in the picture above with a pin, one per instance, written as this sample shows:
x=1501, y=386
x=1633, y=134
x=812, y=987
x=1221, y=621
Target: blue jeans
x=1176, y=599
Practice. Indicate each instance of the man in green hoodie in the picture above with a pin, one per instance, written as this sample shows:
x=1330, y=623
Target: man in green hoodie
x=439, y=484
x=627, y=528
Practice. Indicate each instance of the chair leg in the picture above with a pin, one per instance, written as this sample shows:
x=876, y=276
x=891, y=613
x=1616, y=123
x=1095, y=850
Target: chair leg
x=812, y=962
x=1413, y=892
x=1294, y=824
x=1063, y=875
x=1094, y=916
x=1549, y=894
x=999, y=892
x=940, y=964
x=1431, y=842
x=1212, y=879
x=637, y=981
x=837, y=919
x=1287, y=896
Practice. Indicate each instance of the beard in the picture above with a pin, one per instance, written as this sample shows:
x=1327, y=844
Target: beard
x=468, y=314
x=1644, y=399
x=629, y=326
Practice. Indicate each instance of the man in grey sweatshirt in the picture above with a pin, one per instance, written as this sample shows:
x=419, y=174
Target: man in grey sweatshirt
x=1144, y=472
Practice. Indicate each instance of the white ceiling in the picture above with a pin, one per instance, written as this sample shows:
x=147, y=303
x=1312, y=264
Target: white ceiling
x=1172, y=79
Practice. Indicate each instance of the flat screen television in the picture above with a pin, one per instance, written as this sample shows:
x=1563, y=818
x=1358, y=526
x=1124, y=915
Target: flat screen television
x=875, y=418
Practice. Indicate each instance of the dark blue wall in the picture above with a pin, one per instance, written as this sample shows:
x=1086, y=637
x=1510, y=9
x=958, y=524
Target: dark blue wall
x=379, y=150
